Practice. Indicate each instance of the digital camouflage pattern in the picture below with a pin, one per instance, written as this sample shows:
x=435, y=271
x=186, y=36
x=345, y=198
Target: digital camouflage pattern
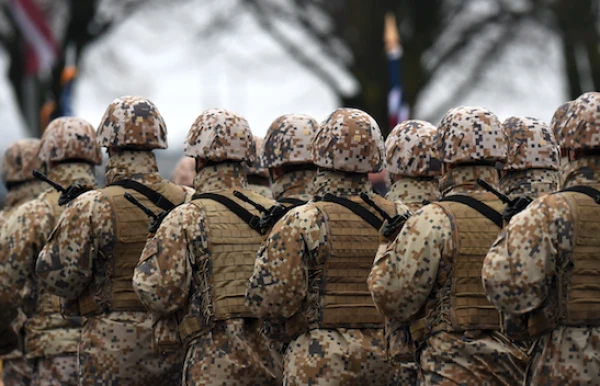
x=414, y=192
x=558, y=120
x=581, y=130
x=349, y=140
x=219, y=135
x=518, y=276
x=57, y=370
x=531, y=144
x=20, y=159
x=298, y=184
x=469, y=135
x=403, y=280
x=17, y=371
x=69, y=138
x=132, y=122
x=288, y=141
x=256, y=169
x=233, y=351
x=258, y=177
x=281, y=287
x=532, y=183
x=184, y=172
x=115, y=347
x=410, y=150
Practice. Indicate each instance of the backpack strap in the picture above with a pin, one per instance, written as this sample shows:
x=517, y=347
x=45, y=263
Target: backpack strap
x=250, y=219
x=292, y=201
x=479, y=206
x=152, y=195
x=357, y=209
x=587, y=190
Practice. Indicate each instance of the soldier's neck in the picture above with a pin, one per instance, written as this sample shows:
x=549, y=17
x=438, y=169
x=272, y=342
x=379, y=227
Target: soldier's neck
x=73, y=172
x=583, y=171
x=463, y=179
x=341, y=183
x=220, y=176
x=296, y=184
x=131, y=165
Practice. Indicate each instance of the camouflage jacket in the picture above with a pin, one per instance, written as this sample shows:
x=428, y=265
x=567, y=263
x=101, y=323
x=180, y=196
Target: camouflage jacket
x=298, y=184
x=80, y=249
x=532, y=182
x=413, y=191
x=19, y=195
x=520, y=268
x=24, y=236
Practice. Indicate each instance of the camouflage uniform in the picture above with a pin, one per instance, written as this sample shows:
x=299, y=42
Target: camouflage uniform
x=200, y=258
x=69, y=150
x=333, y=338
x=184, y=172
x=544, y=264
x=20, y=159
x=533, y=158
x=258, y=177
x=411, y=164
x=89, y=257
x=558, y=119
x=422, y=277
x=287, y=143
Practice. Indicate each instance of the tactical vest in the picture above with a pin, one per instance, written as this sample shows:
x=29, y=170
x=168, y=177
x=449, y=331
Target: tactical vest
x=338, y=288
x=131, y=231
x=576, y=291
x=460, y=300
x=220, y=284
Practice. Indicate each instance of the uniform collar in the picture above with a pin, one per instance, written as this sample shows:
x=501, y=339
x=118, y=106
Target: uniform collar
x=297, y=184
x=463, y=179
x=584, y=171
x=414, y=190
x=67, y=174
x=341, y=183
x=532, y=182
x=25, y=191
x=221, y=176
x=132, y=165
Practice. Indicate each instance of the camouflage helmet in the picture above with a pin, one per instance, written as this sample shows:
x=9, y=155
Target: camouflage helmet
x=349, y=140
x=470, y=134
x=410, y=150
x=132, y=122
x=256, y=168
x=531, y=144
x=581, y=129
x=558, y=119
x=20, y=159
x=184, y=172
x=220, y=135
x=70, y=138
x=289, y=141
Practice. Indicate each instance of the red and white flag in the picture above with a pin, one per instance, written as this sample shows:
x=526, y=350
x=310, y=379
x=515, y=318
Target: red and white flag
x=42, y=49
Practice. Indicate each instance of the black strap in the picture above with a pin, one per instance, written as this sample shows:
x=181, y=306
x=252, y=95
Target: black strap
x=250, y=219
x=479, y=206
x=292, y=201
x=357, y=209
x=587, y=190
x=152, y=195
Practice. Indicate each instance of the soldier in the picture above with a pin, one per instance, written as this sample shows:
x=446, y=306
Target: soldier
x=69, y=150
x=411, y=164
x=20, y=159
x=533, y=158
x=286, y=152
x=198, y=262
x=429, y=274
x=545, y=263
x=558, y=120
x=90, y=256
x=312, y=269
x=184, y=172
x=258, y=176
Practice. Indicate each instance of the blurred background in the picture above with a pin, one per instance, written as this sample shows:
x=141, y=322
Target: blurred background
x=264, y=58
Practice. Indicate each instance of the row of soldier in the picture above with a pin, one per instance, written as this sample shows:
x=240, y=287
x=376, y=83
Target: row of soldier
x=148, y=282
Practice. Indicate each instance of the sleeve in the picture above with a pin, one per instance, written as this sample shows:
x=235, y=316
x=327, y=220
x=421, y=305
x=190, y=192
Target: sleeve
x=405, y=270
x=279, y=283
x=66, y=262
x=518, y=269
x=163, y=276
x=22, y=239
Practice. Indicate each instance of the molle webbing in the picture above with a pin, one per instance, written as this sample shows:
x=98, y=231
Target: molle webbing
x=345, y=300
x=580, y=283
x=131, y=229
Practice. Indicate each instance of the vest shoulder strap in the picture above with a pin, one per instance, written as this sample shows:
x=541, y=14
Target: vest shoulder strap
x=594, y=194
x=292, y=201
x=477, y=205
x=357, y=209
x=250, y=219
x=152, y=195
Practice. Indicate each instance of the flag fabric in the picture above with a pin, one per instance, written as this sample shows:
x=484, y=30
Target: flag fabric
x=397, y=107
x=41, y=49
